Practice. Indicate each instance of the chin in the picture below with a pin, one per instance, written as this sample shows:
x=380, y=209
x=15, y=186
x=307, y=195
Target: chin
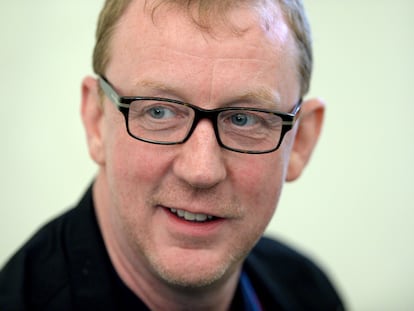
x=195, y=270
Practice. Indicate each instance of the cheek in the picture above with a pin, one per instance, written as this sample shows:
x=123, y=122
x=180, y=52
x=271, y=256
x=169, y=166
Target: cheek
x=261, y=182
x=132, y=165
x=127, y=158
x=128, y=165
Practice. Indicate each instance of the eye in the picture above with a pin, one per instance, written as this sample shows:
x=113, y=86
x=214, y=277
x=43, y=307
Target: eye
x=160, y=112
x=243, y=119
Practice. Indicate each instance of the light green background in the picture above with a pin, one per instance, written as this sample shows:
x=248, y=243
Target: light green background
x=352, y=210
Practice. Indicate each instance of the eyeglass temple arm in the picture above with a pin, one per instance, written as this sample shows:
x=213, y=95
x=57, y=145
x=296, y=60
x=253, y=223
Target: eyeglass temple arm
x=297, y=107
x=294, y=113
x=111, y=93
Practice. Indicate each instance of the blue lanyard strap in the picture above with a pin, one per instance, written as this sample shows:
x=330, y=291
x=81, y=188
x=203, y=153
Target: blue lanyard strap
x=251, y=302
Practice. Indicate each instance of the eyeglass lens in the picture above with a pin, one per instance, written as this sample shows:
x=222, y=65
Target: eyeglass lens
x=166, y=122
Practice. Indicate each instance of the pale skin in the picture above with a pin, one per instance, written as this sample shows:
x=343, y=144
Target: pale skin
x=170, y=263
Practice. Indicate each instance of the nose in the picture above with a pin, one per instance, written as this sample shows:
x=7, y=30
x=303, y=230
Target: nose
x=200, y=161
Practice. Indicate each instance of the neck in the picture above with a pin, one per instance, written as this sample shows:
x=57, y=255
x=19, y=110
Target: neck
x=156, y=293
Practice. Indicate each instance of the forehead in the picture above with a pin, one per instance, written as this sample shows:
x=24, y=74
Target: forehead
x=168, y=21
x=169, y=38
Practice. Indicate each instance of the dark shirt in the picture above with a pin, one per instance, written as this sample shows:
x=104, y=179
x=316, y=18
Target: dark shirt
x=65, y=266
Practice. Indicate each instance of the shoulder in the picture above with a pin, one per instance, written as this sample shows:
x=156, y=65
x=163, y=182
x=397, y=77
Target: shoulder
x=296, y=280
x=275, y=254
x=37, y=273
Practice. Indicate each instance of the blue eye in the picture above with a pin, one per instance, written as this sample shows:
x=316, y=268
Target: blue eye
x=243, y=119
x=160, y=112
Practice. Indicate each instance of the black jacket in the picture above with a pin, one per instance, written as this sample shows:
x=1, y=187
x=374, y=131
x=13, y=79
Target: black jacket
x=65, y=266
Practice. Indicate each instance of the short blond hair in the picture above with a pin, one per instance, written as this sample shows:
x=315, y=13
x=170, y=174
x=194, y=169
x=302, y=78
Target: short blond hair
x=293, y=12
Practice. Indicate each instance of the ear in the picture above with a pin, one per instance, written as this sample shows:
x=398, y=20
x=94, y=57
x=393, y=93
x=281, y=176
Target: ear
x=307, y=134
x=92, y=117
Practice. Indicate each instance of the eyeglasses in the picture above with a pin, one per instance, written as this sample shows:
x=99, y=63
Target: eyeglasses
x=167, y=121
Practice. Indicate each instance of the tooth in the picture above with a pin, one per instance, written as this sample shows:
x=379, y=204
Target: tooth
x=201, y=217
x=189, y=216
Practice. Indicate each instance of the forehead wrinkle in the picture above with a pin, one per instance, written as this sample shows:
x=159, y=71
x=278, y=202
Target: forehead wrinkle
x=208, y=53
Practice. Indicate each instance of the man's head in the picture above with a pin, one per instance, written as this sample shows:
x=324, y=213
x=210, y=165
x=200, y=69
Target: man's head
x=188, y=214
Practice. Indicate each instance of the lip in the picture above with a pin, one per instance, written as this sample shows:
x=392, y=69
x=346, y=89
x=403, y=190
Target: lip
x=194, y=229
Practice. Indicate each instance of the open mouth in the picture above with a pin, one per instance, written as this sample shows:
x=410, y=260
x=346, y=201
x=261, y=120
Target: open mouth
x=198, y=218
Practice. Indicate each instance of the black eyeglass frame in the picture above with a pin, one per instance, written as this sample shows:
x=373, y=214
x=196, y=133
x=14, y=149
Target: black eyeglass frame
x=122, y=103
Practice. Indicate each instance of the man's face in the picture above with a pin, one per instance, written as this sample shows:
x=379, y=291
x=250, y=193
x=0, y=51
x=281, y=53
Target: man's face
x=146, y=185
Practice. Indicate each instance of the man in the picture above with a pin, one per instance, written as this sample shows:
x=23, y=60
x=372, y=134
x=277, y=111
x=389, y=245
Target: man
x=195, y=119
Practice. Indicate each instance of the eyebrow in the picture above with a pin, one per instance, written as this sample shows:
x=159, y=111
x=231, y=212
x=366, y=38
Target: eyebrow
x=155, y=85
x=264, y=96
x=267, y=98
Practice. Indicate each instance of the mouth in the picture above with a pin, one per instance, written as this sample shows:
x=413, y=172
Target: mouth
x=192, y=217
